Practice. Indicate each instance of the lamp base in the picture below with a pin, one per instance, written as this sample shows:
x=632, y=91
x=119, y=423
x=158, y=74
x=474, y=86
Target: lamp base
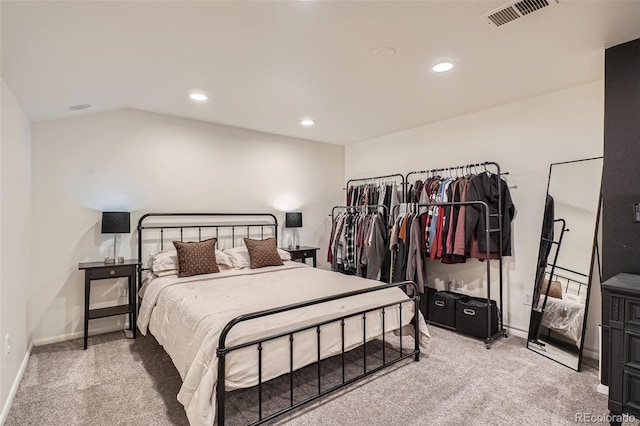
x=113, y=260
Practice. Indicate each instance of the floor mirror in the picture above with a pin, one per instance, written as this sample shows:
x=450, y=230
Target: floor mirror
x=562, y=282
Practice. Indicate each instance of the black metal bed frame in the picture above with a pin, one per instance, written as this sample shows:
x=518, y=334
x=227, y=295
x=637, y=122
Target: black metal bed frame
x=222, y=350
x=273, y=223
x=570, y=280
x=566, y=290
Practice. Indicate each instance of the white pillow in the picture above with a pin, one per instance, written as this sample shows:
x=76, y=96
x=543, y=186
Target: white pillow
x=240, y=256
x=284, y=255
x=223, y=261
x=166, y=262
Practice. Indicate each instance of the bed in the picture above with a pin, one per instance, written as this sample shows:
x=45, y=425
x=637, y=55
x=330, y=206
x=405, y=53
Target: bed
x=241, y=327
x=565, y=316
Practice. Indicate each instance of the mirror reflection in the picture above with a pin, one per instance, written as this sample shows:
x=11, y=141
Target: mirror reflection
x=565, y=260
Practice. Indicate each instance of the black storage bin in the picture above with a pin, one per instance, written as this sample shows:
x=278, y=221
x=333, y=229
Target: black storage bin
x=441, y=308
x=471, y=316
x=424, y=300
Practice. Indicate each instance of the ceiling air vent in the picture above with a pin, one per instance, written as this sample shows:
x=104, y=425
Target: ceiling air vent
x=515, y=10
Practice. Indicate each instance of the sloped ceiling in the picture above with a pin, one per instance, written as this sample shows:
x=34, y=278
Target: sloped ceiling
x=265, y=65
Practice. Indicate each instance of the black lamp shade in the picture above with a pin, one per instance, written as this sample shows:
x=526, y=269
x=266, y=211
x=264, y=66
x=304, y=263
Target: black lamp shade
x=293, y=220
x=116, y=222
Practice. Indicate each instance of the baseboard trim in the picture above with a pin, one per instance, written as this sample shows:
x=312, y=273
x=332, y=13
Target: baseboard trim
x=517, y=331
x=77, y=334
x=603, y=389
x=14, y=387
x=592, y=353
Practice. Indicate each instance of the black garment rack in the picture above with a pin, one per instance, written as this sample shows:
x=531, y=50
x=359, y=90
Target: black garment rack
x=466, y=169
x=384, y=178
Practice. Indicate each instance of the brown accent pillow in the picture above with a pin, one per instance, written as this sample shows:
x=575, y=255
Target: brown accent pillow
x=554, y=291
x=195, y=258
x=263, y=253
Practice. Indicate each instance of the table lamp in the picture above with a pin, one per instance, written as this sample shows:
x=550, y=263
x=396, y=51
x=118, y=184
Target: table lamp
x=115, y=223
x=294, y=220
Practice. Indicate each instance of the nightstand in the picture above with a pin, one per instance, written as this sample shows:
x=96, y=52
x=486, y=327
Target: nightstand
x=303, y=253
x=102, y=271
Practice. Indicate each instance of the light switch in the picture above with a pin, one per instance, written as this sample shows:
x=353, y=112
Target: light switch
x=636, y=212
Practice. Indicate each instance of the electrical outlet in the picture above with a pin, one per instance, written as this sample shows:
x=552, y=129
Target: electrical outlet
x=527, y=299
x=7, y=346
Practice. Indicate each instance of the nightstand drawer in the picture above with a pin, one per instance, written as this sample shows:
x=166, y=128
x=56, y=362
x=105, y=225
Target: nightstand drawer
x=112, y=272
x=301, y=254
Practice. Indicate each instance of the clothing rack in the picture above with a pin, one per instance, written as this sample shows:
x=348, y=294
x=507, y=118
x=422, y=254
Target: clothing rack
x=485, y=207
x=462, y=170
x=354, y=209
x=380, y=179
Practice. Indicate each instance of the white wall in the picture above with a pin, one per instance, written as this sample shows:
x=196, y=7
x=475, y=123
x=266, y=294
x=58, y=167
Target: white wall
x=524, y=138
x=15, y=229
x=572, y=255
x=144, y=162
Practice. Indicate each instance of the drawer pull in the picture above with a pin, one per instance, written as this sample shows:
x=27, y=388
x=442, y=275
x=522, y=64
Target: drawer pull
x=439, y=303
x=469, y=311
x=112, y=272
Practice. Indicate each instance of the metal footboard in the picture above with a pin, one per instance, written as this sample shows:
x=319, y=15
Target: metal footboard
x=222, y=350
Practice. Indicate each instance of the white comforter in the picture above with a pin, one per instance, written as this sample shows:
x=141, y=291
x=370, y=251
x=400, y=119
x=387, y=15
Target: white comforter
x=564, y=316
x=186, y=315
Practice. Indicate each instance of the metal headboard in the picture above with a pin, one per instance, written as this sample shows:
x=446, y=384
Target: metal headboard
x=203, y=221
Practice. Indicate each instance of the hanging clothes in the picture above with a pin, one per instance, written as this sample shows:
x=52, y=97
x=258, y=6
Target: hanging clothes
x=358, y=244
x=383, y=193
x=484, y=187
x=416, y=265
x=451, y=233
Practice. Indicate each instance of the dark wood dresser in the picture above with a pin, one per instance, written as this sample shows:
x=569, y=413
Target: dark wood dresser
x=621, y=342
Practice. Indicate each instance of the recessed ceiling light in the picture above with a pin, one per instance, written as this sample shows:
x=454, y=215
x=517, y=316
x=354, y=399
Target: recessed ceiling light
x=307, y=122
x=200, y=97
x=442, y=67
x=79, y=107
x=384, y=52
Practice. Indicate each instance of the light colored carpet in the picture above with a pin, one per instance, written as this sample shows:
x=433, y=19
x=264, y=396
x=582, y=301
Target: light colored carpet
x=133, y=382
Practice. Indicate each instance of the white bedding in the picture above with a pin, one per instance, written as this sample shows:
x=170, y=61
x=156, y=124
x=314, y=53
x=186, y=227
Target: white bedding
x=186, y=315
x=564, y=316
